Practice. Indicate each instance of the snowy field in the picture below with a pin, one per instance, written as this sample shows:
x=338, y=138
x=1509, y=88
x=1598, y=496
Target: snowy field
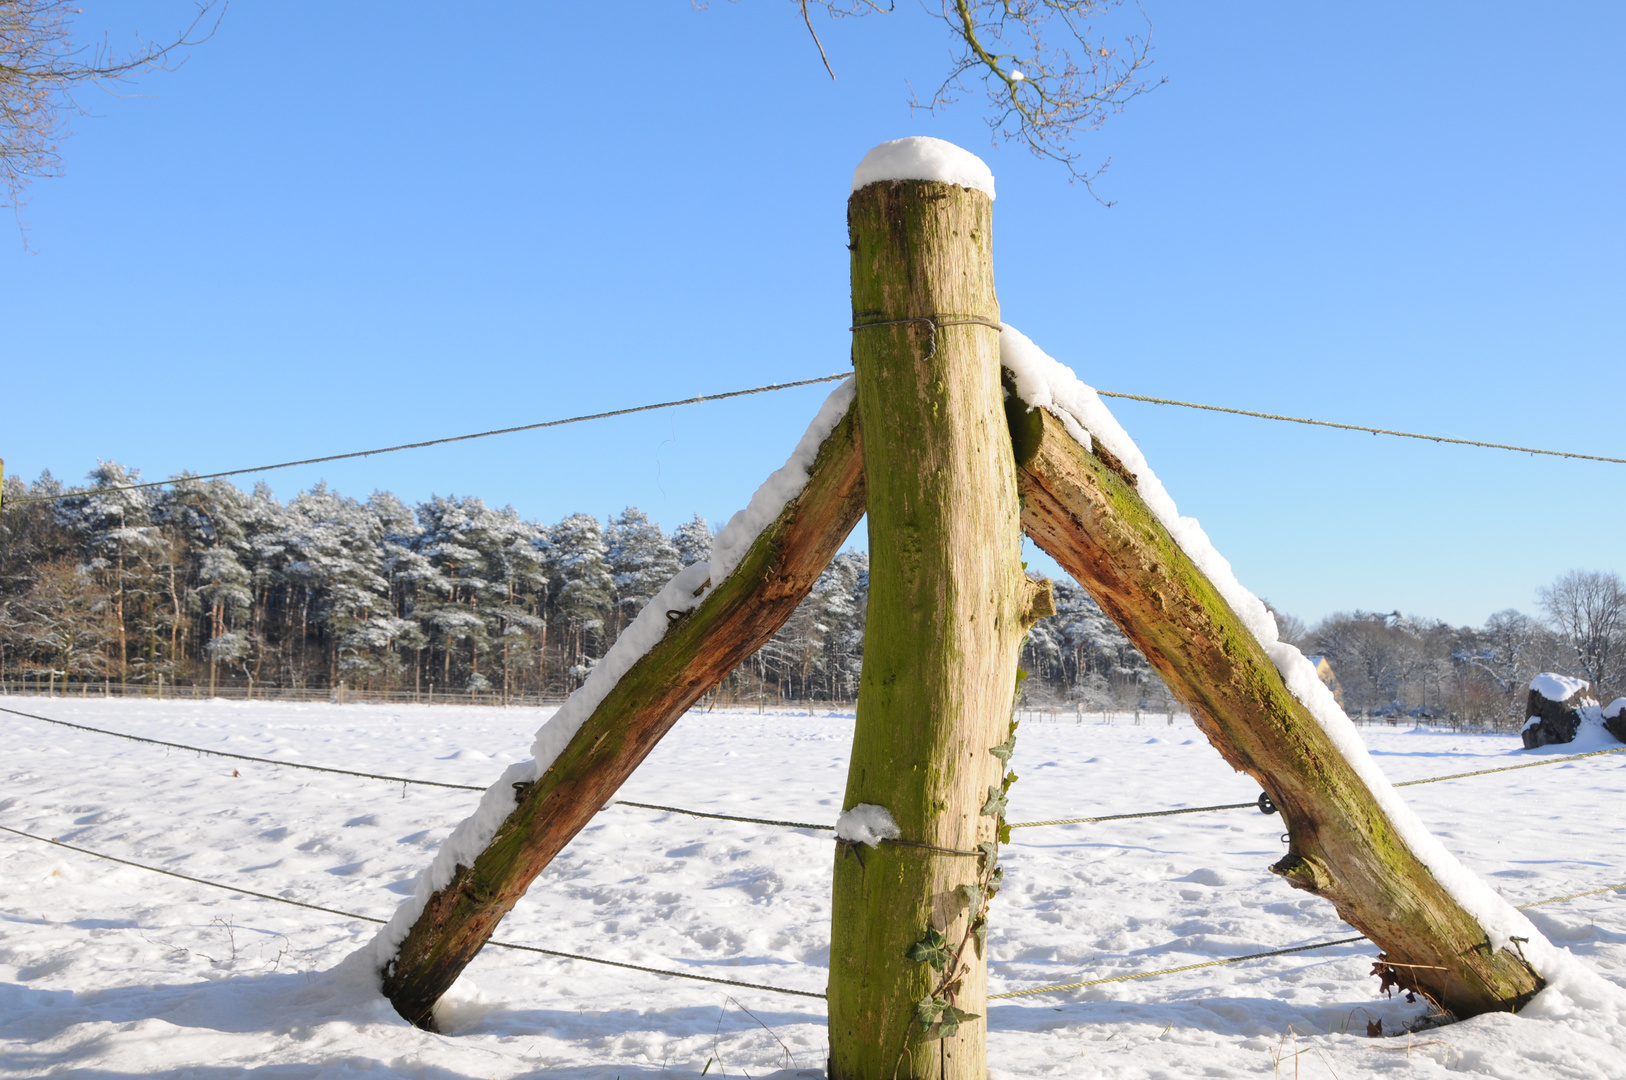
x=110, y=971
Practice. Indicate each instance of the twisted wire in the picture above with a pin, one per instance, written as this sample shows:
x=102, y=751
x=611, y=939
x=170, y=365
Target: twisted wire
x=431, y=442
x=369, y=918
x=1359, y=427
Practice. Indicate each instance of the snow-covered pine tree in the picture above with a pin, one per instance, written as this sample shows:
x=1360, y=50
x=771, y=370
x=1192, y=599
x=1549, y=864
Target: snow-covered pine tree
x=641, y=561
x=1079, y=655
x=203, y=523
x=844, y=591
x=458, y=542
x=584, y=595
x=692, y=540
x=265, y=524
x=115, y=527
x=334, y=567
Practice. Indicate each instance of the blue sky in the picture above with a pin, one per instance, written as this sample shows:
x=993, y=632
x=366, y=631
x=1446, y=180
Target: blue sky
x=341, y=226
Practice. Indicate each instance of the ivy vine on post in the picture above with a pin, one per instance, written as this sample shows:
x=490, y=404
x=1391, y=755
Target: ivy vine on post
x=938, y=1014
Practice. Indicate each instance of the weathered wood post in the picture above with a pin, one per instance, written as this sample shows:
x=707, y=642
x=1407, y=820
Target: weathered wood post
x=698, y=650
x=1084, y=508
x=948, y=608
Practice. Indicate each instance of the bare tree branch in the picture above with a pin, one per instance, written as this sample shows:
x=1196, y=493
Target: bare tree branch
x=1048, y=68
x=40, y=68
x=809, y=21
x=838, y=9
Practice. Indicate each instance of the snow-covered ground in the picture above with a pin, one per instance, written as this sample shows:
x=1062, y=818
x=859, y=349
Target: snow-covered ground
x=111, y=971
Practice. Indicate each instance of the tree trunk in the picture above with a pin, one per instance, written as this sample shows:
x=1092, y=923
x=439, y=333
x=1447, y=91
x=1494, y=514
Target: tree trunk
x=1082, y=509
x=698, y=650
x=947, y=606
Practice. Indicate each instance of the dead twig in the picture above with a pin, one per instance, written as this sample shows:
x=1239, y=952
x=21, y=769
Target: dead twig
x=790, y=1061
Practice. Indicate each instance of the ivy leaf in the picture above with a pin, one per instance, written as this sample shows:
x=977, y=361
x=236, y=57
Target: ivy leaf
x=1005, y=784
x=928, y=1009
x=995, y=806
x=1004, y=834
x=980, y=930
x=1004, y=750
x=973, y=895
x=990, y=853
x=952, y=1019
x=930, y=950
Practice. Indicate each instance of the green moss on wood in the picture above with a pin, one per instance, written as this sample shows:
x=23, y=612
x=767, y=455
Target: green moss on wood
x=736, y=619
x=1085, y=512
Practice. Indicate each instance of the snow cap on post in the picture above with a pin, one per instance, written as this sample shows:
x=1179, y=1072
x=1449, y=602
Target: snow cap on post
x=921, y=157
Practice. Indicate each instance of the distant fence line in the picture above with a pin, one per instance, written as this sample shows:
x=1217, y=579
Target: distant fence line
x=42, y=686
x=1064, y=712
x=28, y=686
x=1035, y=712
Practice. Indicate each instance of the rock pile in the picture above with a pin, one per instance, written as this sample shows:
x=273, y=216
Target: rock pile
x=1555, y=709
x=1614, y=718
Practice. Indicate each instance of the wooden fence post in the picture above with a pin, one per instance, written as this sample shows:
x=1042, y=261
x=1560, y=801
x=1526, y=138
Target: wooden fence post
x=948, y=607
x=1083, y=508
x=699, y=649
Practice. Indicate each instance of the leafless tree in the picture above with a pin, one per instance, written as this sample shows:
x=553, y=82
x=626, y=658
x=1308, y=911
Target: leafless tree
x=1050, y=70
x=62, y=622
x=41, y=69
x=1510, y=650
x=1289, y=628
x=1588, y=609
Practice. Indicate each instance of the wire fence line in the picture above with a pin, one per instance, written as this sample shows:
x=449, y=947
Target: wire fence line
x=1359, y=427
x=434, y=442
x=1511, y=768
x=404, y=780
x=725, y=817
x=243, y=757
x=1057, y=988
x=374, y=919
x=31, y=499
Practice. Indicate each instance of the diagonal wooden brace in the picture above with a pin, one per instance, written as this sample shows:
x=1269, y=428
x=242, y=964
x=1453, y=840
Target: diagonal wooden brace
x=1082, y=508
x=696, y=653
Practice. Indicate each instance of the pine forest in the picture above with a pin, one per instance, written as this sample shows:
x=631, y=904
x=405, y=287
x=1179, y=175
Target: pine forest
x=200, y=587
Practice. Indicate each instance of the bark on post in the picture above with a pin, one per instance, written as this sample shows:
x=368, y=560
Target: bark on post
x=947, y=606
x=1083, y=509
x=696, y=653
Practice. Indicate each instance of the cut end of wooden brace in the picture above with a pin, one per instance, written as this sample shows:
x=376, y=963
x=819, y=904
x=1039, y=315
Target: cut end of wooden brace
x=1041, y=601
